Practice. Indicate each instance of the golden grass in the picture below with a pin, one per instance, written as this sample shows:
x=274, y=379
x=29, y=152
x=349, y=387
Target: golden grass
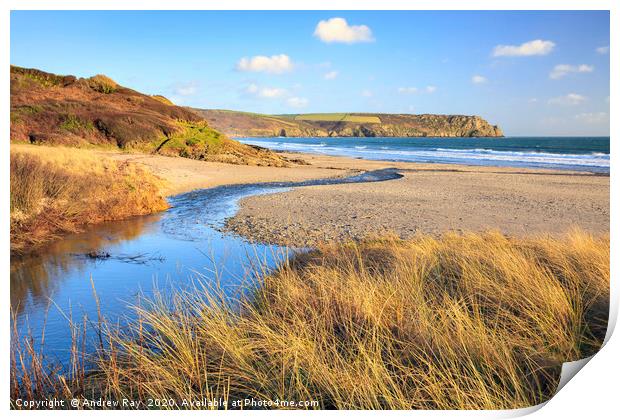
x=57, y=190
x=102, y=83
x=162, y=99
x=479, y=321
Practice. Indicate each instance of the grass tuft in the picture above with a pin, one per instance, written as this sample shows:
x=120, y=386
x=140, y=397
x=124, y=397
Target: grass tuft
x=57, y=190
x=102, y=84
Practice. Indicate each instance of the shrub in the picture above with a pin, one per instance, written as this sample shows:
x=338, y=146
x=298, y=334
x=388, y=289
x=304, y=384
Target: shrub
x=102, y=84
x=75, y=124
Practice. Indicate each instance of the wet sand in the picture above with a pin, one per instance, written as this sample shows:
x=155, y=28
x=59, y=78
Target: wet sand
x=430, y=198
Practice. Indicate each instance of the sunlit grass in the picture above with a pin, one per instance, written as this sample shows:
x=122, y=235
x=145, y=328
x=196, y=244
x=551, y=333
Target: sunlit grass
x=58, y=189
x=478, y=321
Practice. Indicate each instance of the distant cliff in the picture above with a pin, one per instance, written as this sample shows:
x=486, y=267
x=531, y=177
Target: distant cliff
x=244, y=124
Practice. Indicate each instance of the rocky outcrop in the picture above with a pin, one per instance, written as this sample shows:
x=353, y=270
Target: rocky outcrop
x=242, y=124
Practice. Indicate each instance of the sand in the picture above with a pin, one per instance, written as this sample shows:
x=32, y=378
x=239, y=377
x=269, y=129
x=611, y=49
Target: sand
x=430, y=198
x=182, y=175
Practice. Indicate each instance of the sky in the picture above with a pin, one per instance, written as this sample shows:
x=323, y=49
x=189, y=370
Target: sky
x=530, y=72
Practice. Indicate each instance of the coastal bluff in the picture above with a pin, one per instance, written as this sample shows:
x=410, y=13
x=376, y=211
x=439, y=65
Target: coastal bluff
x=245, y=124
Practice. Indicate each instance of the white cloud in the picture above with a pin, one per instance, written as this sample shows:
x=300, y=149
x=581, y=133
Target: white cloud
x=366, y=93
x=338, y=30
x=592, y=117
x=478, y=80
x=603, y=50
x=185, y=89
x=260, y=63
x=330, y=75
x=535, y=47
x=408, y=90
x=265, y=92
x=533, y=100
x=297, y=102
x=571, y=99
x=562, y=70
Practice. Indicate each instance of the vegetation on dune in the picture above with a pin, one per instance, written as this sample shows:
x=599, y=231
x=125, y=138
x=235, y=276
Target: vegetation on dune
x=199, y=141
x=56, y=190
x=102, y=84
x=478, y=321
x=75, y=124
x=162, y=99
x=194, y=138
x=41, y=78
x=54, y=110
x=63, y=110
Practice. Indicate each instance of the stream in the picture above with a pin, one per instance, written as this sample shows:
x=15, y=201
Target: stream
x=124, y=259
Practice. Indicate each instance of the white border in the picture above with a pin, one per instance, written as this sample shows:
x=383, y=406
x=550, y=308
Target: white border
x=593, y=394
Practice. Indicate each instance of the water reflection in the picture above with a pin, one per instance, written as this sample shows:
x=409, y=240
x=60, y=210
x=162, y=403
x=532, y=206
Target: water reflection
x=185, y=236
x=36, y=277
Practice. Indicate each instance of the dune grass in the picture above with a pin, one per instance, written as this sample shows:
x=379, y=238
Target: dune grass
x=56, y=190
x=476, y=321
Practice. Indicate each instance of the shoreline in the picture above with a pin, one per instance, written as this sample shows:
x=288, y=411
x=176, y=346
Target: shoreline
x=430, y=198
x=184, y=175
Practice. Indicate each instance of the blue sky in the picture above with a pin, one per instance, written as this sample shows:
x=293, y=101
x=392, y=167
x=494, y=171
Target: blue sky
x=533, y=73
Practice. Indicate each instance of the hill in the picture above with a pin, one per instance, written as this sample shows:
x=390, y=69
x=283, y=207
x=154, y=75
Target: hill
x=244, y=124
x=65, y=110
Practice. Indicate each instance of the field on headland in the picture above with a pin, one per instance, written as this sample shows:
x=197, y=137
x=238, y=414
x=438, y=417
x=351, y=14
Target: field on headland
x=373, y=119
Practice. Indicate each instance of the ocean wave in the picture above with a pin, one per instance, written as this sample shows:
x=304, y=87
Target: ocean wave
x=595, y=160
x=519, y=153
x=478, y=156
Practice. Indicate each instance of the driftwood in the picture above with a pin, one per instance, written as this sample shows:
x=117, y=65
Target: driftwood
x=126, y=258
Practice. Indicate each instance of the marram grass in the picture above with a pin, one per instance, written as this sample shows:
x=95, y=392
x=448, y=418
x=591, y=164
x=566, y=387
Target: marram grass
x=475, y=321
x=56, y=190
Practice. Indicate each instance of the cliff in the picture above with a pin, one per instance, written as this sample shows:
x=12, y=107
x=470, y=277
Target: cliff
x=242, y=124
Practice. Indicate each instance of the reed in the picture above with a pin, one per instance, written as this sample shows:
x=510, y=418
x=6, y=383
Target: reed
x=56, y=190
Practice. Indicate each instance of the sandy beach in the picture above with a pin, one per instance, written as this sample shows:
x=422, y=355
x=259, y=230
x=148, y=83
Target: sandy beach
x=183, y=175
x=430, y=198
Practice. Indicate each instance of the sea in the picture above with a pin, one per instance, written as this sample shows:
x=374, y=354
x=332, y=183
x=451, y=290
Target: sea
x=588, y=154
